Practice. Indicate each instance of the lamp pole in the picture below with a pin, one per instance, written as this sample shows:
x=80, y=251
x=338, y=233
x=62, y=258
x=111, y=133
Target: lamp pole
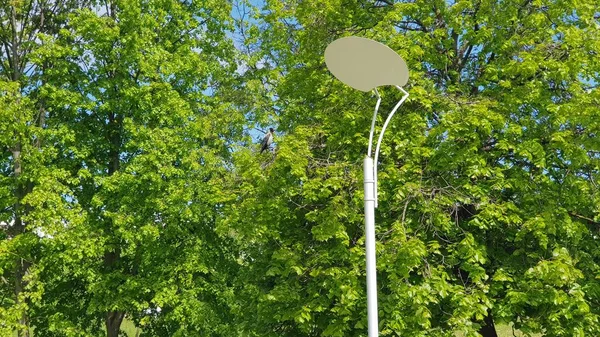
x=369, y=184
x=365, y=64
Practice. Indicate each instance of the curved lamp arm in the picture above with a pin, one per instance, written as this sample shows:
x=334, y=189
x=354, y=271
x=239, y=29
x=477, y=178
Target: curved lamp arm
x=387, y=121
x=369, y=151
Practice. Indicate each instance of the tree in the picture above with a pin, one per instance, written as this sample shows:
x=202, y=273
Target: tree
x=147, y=146
x=31, y=183
x=488, y=205
x=124, y=140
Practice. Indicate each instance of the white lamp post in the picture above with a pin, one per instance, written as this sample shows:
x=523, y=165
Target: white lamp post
x=365, y=64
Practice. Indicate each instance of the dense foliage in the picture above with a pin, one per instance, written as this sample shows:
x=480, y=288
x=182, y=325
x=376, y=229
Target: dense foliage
x=132, y=188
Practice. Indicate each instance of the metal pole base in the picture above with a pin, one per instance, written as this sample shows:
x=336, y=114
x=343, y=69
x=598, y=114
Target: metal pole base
x=369, y=184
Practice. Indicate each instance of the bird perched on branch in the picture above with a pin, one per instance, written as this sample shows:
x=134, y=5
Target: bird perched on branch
x=267, y=140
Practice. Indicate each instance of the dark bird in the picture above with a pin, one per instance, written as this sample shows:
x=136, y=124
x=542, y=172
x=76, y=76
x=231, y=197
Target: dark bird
x=267, y=140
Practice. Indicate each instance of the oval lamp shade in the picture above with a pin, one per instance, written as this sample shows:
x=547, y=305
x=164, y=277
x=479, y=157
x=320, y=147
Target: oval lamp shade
x=365, y=64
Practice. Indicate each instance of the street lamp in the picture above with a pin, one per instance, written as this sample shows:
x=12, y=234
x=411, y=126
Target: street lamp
x=365, y=64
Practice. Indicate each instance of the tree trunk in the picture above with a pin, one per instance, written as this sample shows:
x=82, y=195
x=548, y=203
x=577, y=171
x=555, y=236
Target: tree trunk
x=20, y=271
x=113, y=317
x=17, y=229
x=113, y=323
x=488, y=329
x=112, y=257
